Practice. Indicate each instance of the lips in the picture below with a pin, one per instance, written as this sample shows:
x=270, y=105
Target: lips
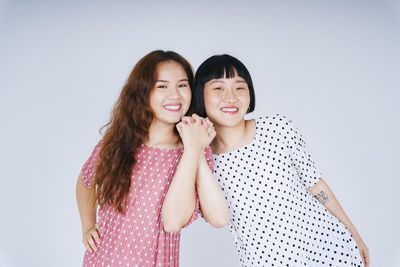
x=173, y=107
x=230, y=109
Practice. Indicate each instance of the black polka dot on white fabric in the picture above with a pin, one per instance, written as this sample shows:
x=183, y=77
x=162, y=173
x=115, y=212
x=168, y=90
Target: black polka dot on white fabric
x=274, y=220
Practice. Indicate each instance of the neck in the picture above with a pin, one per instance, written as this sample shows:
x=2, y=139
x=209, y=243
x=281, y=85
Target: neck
x=229, y=137
x=161, y=135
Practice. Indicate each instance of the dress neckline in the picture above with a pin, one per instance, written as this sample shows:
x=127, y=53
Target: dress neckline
x=161, y=149
x=256, y=120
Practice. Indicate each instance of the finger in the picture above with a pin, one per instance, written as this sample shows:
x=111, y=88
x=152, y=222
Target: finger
x=213, y=134
x=196, y=118
x=87, y=246
x=211, y=130
x=179, y=127
x=367, y=258
x=91, y=243
x=205, y=124
x=209, y=121
x=187, y=119
x=97, y=226
x=208, y=124
x=96, y=236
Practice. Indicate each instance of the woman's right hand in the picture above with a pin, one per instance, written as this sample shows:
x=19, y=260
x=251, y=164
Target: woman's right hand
x=91, y=238
x=196, y=132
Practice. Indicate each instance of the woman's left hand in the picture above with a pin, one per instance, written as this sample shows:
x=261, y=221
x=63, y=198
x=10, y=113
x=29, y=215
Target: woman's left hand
x=364, y=252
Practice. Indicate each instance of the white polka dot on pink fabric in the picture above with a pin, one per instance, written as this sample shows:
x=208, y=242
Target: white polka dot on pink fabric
x=138, y=238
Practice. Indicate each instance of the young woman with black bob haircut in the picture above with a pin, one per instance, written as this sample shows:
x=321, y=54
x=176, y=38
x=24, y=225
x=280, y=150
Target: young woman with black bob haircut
x=145, y=171
x=282, y=211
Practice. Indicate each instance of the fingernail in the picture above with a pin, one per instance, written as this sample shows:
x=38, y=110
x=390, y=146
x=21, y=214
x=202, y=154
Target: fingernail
x=206, y=126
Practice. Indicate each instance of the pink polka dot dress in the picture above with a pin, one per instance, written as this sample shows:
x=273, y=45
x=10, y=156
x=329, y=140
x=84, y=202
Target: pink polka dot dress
x=138, y=237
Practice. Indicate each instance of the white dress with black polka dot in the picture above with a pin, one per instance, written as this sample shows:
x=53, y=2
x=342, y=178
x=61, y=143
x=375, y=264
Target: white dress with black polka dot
x=274, y=220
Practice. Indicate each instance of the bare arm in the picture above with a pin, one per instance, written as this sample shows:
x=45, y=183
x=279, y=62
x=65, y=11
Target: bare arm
x=179, y=203
x=212, y=202
x=87, y=212
x=325, y=196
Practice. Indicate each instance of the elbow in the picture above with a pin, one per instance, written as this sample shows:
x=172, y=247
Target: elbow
x=218, y=224
x=171, y=227
x=170, y=224
x=220, y=221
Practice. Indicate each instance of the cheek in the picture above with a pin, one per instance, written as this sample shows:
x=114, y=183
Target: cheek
x=210, y=101
x=245, y=99
x=155, y=101
x=187, y=96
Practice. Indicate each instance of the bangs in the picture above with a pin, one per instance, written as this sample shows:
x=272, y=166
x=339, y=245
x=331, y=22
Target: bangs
x=223, y=67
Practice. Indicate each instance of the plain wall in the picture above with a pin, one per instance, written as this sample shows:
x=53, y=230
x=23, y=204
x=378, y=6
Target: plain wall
x=331, y=66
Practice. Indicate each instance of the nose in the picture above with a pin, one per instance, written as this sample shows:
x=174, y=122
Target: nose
x=175, y=93
x=230, y=96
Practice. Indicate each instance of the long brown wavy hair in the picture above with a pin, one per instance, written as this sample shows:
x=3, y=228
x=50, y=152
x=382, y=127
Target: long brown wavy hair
x=128, y=128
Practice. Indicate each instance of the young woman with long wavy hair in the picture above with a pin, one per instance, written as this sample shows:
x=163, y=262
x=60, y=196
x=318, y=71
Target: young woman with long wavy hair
x=151, y=171
x=282, y=212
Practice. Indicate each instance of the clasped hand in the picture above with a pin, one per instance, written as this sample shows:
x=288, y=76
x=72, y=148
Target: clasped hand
x=196, y=132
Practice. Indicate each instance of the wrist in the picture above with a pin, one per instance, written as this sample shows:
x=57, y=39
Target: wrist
x=355, y=236
x=87, y=226
x=193, y=150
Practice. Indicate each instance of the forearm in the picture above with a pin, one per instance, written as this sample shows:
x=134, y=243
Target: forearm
x=86, y=205
x=180, y=200
x=212, y=201
x=326, y=197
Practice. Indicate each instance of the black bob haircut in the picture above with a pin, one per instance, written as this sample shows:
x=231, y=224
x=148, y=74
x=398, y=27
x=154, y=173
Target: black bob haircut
x=217, y=67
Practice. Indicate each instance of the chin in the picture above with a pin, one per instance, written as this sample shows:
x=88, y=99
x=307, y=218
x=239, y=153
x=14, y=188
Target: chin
x=174, y=119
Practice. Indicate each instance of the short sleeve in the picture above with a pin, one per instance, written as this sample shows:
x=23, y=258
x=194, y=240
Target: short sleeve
x=89, y=167
x=301, y=159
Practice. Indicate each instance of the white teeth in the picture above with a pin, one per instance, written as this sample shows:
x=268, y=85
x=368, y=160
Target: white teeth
x=229, y=109
x=174, y=107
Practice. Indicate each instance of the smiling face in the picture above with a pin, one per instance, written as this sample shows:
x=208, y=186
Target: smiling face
x=171, y=95
x=226, y=100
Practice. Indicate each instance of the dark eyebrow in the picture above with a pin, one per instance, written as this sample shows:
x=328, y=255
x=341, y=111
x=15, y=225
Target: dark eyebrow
x=241, y=81
x=164, y=81
x=217, y=81
x=222, y=81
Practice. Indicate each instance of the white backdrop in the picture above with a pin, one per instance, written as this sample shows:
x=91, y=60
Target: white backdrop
x=331, y=66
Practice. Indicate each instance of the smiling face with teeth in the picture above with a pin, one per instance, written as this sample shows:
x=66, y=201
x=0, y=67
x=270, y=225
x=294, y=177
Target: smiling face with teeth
x=226, y=100
x=171, y=95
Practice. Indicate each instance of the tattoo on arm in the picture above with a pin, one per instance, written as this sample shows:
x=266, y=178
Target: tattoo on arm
x=322, y=197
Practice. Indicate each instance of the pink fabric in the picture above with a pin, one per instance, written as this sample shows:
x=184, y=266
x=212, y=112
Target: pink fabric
x=138, y=237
